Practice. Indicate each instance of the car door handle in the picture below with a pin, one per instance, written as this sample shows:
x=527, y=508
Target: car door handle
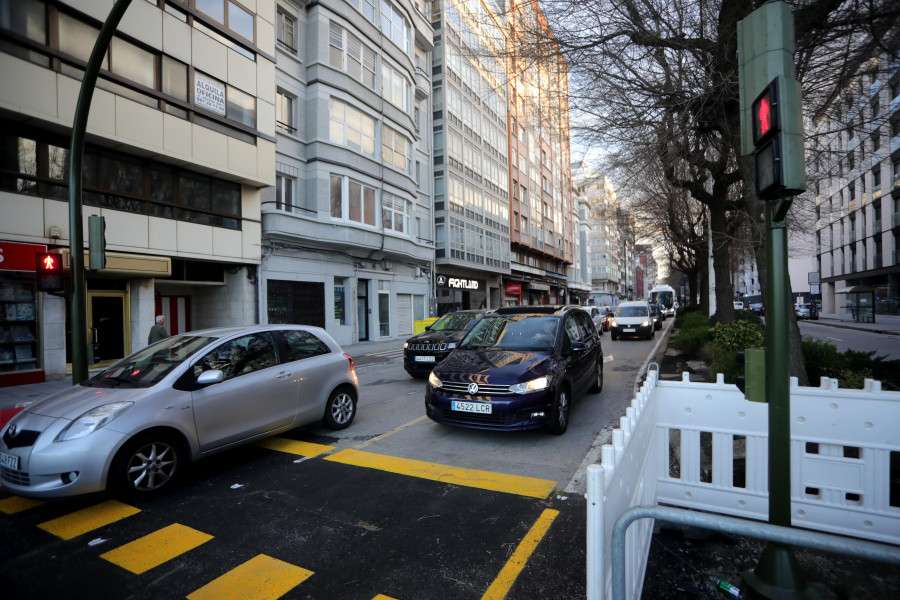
x=284, y=375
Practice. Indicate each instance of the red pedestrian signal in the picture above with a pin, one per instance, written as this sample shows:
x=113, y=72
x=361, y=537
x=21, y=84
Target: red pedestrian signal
x=50, y=273
x=764, y=112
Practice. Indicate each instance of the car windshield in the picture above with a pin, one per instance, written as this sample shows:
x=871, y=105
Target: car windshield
x=513, y=332
x=633, y=311
x=453, y=321
x=147, y=367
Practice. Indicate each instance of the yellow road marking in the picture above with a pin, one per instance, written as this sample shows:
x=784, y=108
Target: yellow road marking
x=383, y=597
x=294, y=446
x=504, y=581
x=392, y=432
x=88, y=519
x=498, y=482
x=260, y=578
x=156, y=548
x=15, y=504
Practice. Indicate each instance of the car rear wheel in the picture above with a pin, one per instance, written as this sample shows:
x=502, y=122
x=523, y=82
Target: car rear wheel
x=560, y=412
x=598, y=380
x=340, y=410
x=147, y=465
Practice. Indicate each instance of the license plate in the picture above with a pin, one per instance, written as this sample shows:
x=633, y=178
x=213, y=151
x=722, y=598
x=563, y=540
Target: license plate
x=628, y=330
x=472, y=407
x=423, y=359
x=10, y=461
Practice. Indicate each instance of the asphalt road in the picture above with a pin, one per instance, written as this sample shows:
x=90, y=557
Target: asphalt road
x=846, y=339
x=395, y=506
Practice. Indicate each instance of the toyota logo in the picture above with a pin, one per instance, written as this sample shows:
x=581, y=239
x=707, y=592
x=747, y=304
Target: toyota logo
x=473, y=388
x=13, y=430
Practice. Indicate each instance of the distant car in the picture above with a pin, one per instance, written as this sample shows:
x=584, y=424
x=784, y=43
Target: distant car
x=757, y=308
x=134, y=427
x=658, y=314
x=806, y=311
x=598, y=316
x=738, y=306
x=421, y=352
x=607, y=312
x=518, y=370
x=633, y=319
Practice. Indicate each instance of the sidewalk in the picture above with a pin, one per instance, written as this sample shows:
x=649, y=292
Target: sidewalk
x=889, y=324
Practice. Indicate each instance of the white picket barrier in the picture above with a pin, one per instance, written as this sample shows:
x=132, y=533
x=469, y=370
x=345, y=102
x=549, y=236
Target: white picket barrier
x=704, y=446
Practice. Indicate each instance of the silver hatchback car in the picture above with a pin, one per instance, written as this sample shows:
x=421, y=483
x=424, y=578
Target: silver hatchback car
x=134, y=427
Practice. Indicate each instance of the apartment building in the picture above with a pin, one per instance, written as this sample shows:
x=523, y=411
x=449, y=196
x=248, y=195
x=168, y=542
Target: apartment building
x=347, y=231
x=180, y=140
x=858, y=196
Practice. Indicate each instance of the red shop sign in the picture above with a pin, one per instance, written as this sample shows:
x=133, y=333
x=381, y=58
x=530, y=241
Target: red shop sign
x=514, y=289
x=19, y=257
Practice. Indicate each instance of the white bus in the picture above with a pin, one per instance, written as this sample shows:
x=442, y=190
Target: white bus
x=664, y=295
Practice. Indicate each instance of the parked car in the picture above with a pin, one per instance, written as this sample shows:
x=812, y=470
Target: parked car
x=806, y=311
x=757, y=308
x=518, y=370
x=632, y=318
x=421, y=352
x=657, y=313
x=134, y=427
x=608, y=312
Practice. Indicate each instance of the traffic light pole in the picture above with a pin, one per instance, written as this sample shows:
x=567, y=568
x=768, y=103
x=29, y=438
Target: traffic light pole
x=78, y=314
x=777, y=574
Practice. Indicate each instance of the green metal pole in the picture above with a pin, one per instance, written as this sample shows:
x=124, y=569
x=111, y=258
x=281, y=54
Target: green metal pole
x=778, y=575
x=78, y=314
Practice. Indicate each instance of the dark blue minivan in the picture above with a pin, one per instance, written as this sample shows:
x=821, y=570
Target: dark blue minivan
x=518, y=368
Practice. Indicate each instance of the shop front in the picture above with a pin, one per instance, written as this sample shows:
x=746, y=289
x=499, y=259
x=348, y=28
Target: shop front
x=20, y=310
x=459, y=293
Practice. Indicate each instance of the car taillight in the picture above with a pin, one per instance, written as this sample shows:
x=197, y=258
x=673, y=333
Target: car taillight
x=350, y=358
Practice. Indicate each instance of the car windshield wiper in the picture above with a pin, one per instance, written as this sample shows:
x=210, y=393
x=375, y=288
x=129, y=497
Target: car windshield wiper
x=119, y=380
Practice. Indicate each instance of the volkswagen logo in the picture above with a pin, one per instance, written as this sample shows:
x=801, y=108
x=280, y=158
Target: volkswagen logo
x=473, y=388
x=13, y=430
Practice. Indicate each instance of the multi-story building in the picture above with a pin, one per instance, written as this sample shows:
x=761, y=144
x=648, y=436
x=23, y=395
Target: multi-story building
x=542, y=229
x=595, y=190
x=858, y=200
x=579, y=275
x=347, y=231
x=180, y=140
x=645, y=273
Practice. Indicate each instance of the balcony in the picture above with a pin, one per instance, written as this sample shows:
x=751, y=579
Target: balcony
x=423, y=84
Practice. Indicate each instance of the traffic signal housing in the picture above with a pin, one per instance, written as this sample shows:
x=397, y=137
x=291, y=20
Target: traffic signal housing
x=51, y=276
x=776, y=120
x=96, y=242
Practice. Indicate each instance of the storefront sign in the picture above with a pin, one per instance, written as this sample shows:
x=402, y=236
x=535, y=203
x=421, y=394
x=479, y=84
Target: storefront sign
x=19, y=257
x=513, y=289
x=209, y=94
x=460, y=283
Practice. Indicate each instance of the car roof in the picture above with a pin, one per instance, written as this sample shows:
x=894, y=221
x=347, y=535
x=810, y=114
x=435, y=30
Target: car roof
x=633, y=302
x=221, y=332
x=473, y=311
x=538, y=309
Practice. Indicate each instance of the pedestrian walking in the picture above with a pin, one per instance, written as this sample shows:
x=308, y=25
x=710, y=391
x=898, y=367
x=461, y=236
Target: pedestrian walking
x=158, y=331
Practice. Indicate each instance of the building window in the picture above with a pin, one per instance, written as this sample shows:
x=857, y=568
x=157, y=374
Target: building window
x=284, y=192
x=394, y=213
x=299, y=302
x=366, y=7
x=230, y=14
x=396, y=149
x=284, y=112
x=384, y=308
x=352, y=200
x=394, y=25
x=350, y=127
x=395, y=88
x=347, y=53
x=340, y=302
x=285, y=26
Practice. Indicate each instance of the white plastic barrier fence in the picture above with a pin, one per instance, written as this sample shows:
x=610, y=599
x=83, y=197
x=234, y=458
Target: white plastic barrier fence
x=704, y=446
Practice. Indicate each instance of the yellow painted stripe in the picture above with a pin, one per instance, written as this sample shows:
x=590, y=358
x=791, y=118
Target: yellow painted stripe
x=88, y=519
x=15, y=504
x=294, y=446
x=156, y=548
x=383, y=597
x=260, y=578
x=504, y=581
x=498, y=482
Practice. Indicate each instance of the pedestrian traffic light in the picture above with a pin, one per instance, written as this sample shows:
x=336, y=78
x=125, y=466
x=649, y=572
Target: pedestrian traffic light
x=50, y=273
x=777, y=126
x=96, y=242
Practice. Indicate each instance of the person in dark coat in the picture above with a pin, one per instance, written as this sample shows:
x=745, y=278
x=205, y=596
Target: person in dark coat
x=158, y=331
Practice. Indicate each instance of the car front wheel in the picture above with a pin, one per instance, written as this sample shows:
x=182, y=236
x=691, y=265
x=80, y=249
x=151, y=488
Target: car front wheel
x=340, y=410
x=147, y=466
x=598, y=379
x=560, y=412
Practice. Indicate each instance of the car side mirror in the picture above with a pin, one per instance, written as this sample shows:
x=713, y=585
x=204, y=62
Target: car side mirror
x=210, y=377
x=578, y=347
x=428, y=328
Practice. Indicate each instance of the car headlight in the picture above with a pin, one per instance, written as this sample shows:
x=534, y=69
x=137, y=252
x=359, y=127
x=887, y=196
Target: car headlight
x=92, y=420
x=535, y=385
x=434, y=380
x=405, y=345
x=451, y=345
x=645, y=324
x=612, y=322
